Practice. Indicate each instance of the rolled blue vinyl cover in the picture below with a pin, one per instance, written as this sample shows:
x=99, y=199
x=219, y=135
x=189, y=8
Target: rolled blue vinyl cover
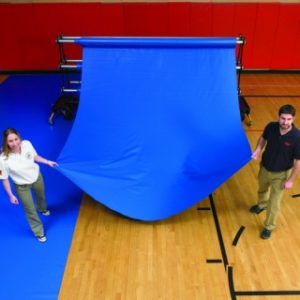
x=158, y=126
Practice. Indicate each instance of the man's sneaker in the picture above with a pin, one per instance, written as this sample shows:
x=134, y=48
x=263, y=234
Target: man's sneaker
x=46, y=212
x=42, y=238
x=265, y=234
x=255, y=209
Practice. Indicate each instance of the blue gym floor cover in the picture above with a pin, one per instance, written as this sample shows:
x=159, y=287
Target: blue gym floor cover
x=31, y=270
x=158, y=126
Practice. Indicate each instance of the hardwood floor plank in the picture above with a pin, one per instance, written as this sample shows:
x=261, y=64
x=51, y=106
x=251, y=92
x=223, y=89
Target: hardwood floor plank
x=113, y=257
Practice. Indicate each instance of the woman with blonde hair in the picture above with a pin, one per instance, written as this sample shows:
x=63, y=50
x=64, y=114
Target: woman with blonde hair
x=18, y=161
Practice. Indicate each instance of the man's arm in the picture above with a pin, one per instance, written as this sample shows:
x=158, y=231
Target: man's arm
x=295, y=171
x=259, y=147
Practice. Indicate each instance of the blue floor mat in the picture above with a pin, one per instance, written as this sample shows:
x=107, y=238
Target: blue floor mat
x=29, y=269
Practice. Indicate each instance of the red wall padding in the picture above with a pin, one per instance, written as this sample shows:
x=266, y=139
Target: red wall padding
x=28, y=31
x=287, y=38
x=264, y=36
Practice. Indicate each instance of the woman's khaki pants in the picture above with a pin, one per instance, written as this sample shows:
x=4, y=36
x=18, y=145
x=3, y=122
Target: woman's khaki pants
x=24, y=193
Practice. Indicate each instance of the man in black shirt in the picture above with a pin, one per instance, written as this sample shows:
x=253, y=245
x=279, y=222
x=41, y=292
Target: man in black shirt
x=279, y=166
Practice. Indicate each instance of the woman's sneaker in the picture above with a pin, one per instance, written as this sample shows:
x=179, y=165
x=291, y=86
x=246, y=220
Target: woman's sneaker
x=42, y=238
x=46, y=212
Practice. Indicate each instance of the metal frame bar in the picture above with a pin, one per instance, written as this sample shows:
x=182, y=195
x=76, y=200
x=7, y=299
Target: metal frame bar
x=72, y=39
x=73, y=67
x=64, y=90
x=73, y=60
x=239, y=61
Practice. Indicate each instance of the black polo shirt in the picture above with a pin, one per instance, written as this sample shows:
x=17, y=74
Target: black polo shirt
x=281, y=150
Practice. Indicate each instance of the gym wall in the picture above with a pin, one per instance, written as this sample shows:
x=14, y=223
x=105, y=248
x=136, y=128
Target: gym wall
x=28, y=29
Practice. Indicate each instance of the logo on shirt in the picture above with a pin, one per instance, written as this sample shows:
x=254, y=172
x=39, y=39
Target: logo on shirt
x=287, y=143
x=28, y=155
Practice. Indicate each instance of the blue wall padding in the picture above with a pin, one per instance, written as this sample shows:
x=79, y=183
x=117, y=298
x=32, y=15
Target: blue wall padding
x=158, y=126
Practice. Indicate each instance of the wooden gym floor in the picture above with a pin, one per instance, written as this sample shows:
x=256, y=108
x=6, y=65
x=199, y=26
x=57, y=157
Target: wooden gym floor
x=191, y=255
x=211, y=251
